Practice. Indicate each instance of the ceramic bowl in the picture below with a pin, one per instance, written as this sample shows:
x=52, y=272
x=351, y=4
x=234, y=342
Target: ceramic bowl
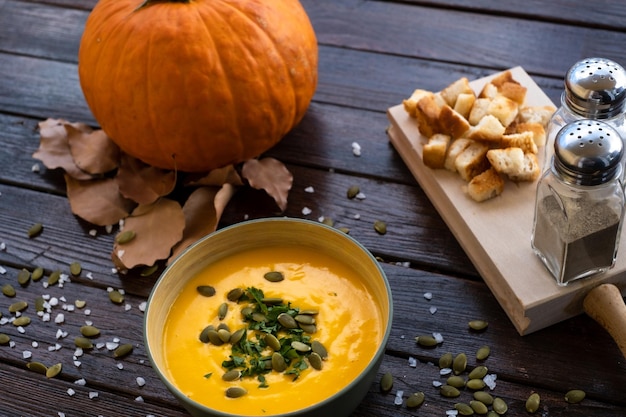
x=227, y=242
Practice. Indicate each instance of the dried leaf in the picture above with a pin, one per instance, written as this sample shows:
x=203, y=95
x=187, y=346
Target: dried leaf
x=271, y=175
x=143, y=183
x=157, y=230
x=93, y=152
x=97, y=201
x=203, y=210
x=217, y=177
x=54, y=149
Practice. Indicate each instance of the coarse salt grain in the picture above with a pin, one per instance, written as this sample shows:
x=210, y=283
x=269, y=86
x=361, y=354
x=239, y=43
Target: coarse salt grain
x=78, y=352
x=309, y=189
x=92, y=395
x=356, y=216
x=438, y=337
x=412, y=362
x=398, y=399
x=108, y=228
x=356, y=149
x=127, y=307
x=112, y=345
x=35, y=168
x=82, y=382
x=141, y=381
x=77, y=363
x=35, y=344
x=3, y=246
x=93, y=232
x=306, y=211
x=87, y=312
x=142, y=306
x=490, y=381
x=432, y=310
x=60, y=414
x=452, y=412
x=70, y=392
x=12, y=344
x=21, y=330
x=139, y=399
x=2, y=270
x=428, y=295
x=27, y=354
x=60, y=318
x=60, y=333
x=53, y=302
x=89, y=275
x=437, y=384
x=360, y=196
x=445, y=371
x=120, y=366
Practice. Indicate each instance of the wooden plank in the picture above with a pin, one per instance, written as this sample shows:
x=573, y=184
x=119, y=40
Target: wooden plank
x=505, y=260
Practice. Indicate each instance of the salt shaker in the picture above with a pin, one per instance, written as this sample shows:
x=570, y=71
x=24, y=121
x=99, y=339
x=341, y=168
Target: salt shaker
x=580, y=202
x=595, y=88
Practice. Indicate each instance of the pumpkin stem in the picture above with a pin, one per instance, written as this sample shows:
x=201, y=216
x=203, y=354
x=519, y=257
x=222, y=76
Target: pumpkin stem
x=147, y=3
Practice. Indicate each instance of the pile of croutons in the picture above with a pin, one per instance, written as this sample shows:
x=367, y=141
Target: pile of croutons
x=486, y=138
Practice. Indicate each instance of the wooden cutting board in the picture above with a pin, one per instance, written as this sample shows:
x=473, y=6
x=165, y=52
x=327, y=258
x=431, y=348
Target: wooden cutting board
x=496, y=233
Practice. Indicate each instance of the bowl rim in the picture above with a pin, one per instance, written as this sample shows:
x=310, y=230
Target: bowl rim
x=373, y=363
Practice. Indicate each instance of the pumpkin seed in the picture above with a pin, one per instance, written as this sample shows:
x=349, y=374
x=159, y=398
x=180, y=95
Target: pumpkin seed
x=80, y=303
x=380, y=227
x=278, y=362
x=460, y=363
x=205, y=290
x=204, y=334
x=328, y=221
x=37, y=274
x=456, y=381
x=532, y=403
x=426, y=341
x=214, y=337
x=224, y=335
x=478, y=407
x=149, y=270
x=415, y=400
x=23, y=277
x=35, y=230
x=236, y=336
x=483, y=397
x=272, y=342
x=287, y=321
x=304, y=319
x=575, y=396
x=21, y=321
x=478, y=373
x=316, y=361
x=123, y=350
x=39, y=303
x=4, y=339
x=445, y=361
x=231, y=375
x=319, y=348
x=274, y=276
x=386, y=382
x=246, y=312
x=260, y=317
x=271, y=301
x=449, y=391
x=300, y=347
x=125, y=237
x=308, y=328
x=18, y=306
x=54, y=370
x=223, y=326
x=344, y=230
x=236, y=392
x=353, y=191
x=478, y=325
x=116, y=297
x=75, y=269
x=38, y=367
x=310, y=312
x=499, y=406
x=83, y=342
x=464, y=409
x=89, y=331
x=475, y=384
x=8, y=290
x=235, y=294
x=222, y=311
x=54, y=277
x=483, y=353
x=492, y=414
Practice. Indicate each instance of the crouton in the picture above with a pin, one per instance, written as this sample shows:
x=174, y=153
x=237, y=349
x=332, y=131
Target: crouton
x=485, y=185
x=434, y=152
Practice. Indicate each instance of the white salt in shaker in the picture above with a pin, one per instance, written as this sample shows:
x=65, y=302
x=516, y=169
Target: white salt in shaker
x=595, y=88
x=580, y=202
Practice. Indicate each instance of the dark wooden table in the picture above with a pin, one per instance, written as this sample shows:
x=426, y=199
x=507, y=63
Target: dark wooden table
x=372, y=55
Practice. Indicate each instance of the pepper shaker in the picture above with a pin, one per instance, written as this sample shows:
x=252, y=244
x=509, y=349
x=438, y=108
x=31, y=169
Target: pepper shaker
x=595, y=88
x=579, y=204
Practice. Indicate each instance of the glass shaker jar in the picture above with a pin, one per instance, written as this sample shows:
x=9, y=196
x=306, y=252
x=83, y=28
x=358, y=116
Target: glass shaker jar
x=580, y=202
x=595, y=88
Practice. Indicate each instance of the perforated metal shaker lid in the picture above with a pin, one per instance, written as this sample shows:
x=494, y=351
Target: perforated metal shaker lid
x=595, y=88
x=588, y=152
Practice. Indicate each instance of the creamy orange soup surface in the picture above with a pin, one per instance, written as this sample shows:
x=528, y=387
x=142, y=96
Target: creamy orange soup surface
x=349, y=325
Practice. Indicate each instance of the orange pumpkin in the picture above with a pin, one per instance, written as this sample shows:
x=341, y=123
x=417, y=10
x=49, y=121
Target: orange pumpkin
x=195, y=85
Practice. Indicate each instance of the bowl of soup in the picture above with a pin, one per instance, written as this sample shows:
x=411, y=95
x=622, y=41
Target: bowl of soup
x=271, y=317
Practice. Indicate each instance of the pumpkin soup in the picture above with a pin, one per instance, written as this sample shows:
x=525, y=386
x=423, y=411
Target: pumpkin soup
x=333, y=331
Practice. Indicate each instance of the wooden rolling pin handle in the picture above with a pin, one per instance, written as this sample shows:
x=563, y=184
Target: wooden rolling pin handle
x=605, y=305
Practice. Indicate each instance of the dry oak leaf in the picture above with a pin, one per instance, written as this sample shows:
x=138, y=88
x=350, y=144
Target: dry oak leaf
x=216, y=177
x=97, y=201
x=54, y=148
x=271, y=175
x=93, y=152
x=203, y=210
x=157, y=229
x=143, y=183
